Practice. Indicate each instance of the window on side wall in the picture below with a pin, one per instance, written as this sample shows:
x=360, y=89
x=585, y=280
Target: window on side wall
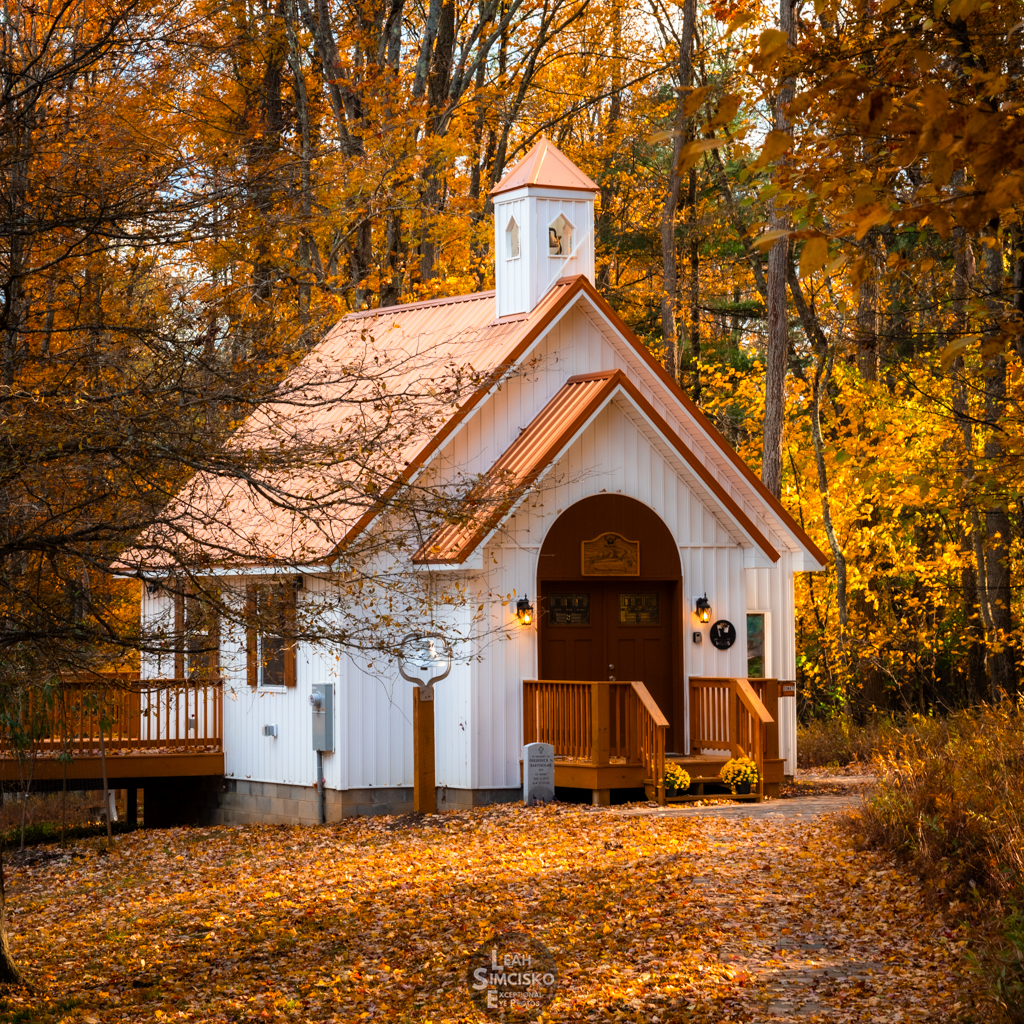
x=757, y=645
x=270, y=635
x=202, y=637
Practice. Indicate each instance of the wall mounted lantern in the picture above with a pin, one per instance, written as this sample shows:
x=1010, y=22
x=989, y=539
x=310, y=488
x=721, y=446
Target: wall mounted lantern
x=703, y=609
x=524, y=610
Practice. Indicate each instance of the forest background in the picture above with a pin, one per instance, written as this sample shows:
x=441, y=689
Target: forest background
x=808, y=212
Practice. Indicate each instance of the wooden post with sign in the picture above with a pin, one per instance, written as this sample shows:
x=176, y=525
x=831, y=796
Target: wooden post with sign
x=424, y=793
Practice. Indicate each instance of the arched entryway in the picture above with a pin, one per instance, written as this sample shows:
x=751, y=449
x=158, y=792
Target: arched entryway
x=609, y=586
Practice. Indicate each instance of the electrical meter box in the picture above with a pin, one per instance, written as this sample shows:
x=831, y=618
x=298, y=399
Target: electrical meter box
x=321, y=702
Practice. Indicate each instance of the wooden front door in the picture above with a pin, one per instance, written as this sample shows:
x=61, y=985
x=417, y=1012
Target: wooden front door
x=610, y=629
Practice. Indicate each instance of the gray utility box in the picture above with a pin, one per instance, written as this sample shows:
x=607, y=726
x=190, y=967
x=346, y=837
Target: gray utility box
x=321, y=702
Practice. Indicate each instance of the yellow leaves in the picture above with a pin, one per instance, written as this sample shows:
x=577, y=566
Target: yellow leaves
x=865, y=218
x=956, y=348
x=741, y=19
x=694, y=99
x=776, y=143
x=771, y=40
x=726, y=110
x=764, y=242
x=814, y=255
x=691, y=152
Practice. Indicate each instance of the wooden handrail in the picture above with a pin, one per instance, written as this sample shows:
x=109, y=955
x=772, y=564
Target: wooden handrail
x=751, y=701
x=648, y=702
x=596, y=720
x=729, y=714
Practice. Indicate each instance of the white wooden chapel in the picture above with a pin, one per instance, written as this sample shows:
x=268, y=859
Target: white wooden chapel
x=622, y=508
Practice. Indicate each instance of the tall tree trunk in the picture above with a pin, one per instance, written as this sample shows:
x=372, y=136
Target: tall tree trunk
x=822, y=373
x=669, y=257
x=9, y=973
x=777, y=356
x=868, y=310
x=996, y=573
x=693, y=325
x=972, y=591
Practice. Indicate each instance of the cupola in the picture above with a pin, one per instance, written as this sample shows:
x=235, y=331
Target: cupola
x=543, y=227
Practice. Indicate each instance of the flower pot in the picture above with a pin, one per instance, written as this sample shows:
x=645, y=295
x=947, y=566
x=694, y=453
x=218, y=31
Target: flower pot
x=743, y=787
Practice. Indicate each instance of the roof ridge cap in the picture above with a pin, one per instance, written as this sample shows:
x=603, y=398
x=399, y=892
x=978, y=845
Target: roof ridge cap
x=440, y=300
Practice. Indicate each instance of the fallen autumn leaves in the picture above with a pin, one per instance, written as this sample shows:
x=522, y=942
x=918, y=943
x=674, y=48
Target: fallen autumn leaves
x=650, y=919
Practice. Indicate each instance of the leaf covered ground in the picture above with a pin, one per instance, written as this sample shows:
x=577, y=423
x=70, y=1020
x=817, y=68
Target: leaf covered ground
x=652, y=919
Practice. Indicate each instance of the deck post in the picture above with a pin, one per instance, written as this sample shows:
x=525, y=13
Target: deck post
x=424, y=789
x=600, y=735
x=600, y=710
x=131, y=806
x=771, y=703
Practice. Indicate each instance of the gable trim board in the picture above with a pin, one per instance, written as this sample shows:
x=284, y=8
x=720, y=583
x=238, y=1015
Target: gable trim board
x=540, y=445
x=711, y=433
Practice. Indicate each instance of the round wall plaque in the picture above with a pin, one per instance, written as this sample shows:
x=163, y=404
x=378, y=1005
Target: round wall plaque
x=723, y=634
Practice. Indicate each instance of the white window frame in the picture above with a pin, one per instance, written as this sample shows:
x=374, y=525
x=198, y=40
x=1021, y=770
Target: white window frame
x=767, y=640
x=512, y=220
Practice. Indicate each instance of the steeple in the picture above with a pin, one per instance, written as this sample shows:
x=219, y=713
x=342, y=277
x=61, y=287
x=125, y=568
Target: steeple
x=543, y=227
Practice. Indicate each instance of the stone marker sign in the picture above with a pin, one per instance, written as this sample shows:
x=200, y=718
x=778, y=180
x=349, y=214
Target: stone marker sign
x=538, y=773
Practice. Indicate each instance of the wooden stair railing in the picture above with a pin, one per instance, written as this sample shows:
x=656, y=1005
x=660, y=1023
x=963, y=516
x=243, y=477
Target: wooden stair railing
x=594, y=721
x=730, y=714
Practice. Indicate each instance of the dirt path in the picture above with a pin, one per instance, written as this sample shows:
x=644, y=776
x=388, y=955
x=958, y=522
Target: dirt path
x=669, y=917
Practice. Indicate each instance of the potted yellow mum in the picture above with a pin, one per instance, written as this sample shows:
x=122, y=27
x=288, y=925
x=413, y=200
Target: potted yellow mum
x=739, y=774
x=677, y=779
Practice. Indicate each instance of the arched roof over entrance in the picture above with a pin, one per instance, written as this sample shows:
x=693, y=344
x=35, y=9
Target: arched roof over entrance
x=561, y=552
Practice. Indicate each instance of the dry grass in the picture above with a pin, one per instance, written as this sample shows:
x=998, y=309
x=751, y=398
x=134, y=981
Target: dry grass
x=951, y=801
x=832, y=742
x=45, y=808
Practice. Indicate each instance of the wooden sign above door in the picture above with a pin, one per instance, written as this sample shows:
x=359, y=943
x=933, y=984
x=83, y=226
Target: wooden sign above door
x=610, y=554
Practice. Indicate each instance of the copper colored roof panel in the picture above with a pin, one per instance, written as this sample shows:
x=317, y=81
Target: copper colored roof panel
x=546, y=166
x=525, y=459
x=355, y=419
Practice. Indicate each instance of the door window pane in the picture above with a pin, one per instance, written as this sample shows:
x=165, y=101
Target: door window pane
x=638, y=610
x=569, y=610
x=755, y=645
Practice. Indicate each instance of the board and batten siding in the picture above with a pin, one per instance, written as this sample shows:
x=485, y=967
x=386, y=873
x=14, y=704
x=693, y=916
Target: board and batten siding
x=618, y=452
x=612, y=455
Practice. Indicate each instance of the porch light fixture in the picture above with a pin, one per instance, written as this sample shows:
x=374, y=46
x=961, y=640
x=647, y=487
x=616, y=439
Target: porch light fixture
x=524, y=610
x=703, y=609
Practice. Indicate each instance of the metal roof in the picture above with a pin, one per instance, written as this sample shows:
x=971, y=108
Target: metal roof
x=548, y=167
x=350, y=425
x=540, y=444
x=369, y=406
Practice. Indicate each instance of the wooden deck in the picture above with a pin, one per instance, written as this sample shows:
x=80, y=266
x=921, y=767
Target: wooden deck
x=152, y=728
x=611, y=735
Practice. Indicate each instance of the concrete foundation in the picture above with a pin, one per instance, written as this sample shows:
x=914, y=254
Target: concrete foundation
x=463, y=799
x=243, y=802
